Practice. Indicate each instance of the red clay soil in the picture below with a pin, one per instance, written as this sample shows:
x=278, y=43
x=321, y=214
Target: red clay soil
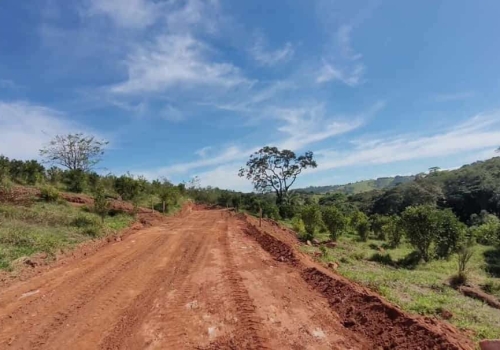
x=478, y=294
x=361, y=310
x=206, y=279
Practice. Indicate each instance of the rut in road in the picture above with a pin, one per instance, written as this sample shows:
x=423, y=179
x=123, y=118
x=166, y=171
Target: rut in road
x=202, y=281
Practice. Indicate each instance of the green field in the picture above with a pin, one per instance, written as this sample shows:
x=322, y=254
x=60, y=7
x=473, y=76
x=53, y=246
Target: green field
x=422, y=289
x=49, y=228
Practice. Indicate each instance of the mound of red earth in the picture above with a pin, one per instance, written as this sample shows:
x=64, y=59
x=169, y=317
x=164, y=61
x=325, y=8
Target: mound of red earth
x=360, y=310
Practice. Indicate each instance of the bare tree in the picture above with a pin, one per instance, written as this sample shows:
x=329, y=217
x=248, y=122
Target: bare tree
x=74, y=151
x=273, y=170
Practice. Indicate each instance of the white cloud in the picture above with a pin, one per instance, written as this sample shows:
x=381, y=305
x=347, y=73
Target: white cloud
x=127, y=13
x=268, y=57
x=227, y=155
x=344, y=42
x=307, y=126
x=301, y=127
x=194, y=15
x=225, y=177
x=175, y=61
x=342, y=63
x=253, y=98
x=203, y=152
x=453, y=96
x=25, y=128
x=352, y=76
x=479, y=133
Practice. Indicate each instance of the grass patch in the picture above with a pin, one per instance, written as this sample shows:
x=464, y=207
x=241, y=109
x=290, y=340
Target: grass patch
x=48, y=228
x=421, y=288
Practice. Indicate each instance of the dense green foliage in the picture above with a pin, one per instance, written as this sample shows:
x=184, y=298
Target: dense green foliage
x=432, y=232
x=335, y=222
x=311, y=216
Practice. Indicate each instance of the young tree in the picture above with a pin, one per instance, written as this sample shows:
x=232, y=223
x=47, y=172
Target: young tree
x=274, y=170
x=311, y=216
x=377, y=223
x=101, y=203
x=359, y=222
x=394, y=230
x=334, y=221
x=74, y=151
x=421, y=226
x=433, y=232
x=451, y=233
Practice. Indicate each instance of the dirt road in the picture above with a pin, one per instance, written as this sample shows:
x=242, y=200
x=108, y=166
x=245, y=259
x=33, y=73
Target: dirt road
x=201, y=281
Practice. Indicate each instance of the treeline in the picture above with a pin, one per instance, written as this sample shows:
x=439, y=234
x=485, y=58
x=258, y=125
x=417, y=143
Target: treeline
x=135, y=189
x=467, y=191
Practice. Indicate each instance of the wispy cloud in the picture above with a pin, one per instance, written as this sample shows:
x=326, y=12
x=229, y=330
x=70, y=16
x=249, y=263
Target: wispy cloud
x=254, y=99
x=297, y=128
x=305, y=126
x=226, y=177
x=129, y=13
x=352, y=76
x=25, y=128
x=479, y=133
x=344, y=63
x=267, y=57
x=453, y=96
x=175, y=61
x=203, y=152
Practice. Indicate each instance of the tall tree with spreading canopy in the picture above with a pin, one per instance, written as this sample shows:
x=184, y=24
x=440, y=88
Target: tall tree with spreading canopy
x=274, y=170
x=76, y=152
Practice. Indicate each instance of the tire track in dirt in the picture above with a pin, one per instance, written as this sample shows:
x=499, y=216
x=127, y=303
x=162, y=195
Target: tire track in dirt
x=172, y=315
x=85, y=295
x=79, y=290
x=248, y=334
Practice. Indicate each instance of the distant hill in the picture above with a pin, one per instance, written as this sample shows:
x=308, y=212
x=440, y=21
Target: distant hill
x=360, y=186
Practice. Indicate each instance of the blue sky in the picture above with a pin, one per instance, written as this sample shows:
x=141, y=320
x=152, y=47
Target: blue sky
x=185, y=88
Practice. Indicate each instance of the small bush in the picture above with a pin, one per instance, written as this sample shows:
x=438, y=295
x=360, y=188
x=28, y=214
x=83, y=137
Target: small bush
x=311, y=215
x=101, y=203
x=359, y=222
x=298, y=225
x=49, y=194
x=335, y=221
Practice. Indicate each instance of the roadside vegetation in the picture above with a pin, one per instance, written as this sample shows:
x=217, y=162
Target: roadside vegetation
x=48, y=228
x=48, y=224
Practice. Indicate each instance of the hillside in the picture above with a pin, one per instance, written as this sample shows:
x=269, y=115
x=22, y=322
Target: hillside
x=360, y=186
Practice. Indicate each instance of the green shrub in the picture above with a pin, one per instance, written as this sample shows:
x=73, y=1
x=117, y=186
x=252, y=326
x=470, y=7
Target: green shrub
x=359, y=222
x=49, y=194
x=311, y=215
x=487, y=233
x=75, y=180
x=377, y=223
x=288, y=211
x=394, y=230
x=451, y=233
x=433, y=232
x=101, y=203
x=298, y=225
x=335, y=221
